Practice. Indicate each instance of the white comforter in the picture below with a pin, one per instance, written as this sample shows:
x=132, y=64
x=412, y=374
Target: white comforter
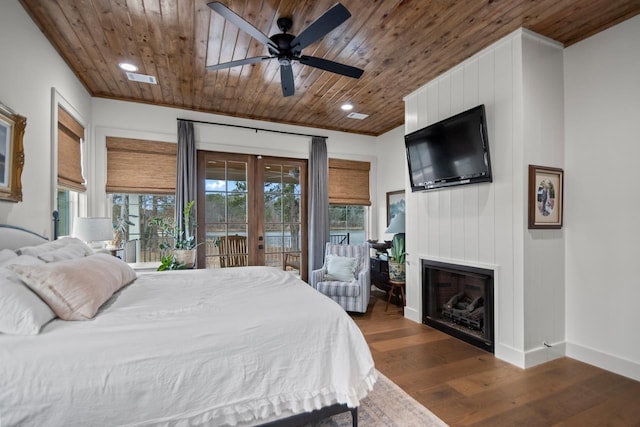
x=204, y=347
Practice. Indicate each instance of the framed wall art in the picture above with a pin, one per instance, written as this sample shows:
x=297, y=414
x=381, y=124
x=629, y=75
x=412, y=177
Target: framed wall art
x=545, y=197
x=395, y=204
x=11, y=154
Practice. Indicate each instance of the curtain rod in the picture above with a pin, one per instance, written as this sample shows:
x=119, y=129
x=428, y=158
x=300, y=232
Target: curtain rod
x=253, y=128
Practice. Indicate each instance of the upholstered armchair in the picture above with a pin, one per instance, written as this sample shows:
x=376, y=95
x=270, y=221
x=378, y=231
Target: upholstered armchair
x=345, y=276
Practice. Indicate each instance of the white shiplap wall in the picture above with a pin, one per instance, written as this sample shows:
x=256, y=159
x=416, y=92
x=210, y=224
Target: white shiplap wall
x=485, y=224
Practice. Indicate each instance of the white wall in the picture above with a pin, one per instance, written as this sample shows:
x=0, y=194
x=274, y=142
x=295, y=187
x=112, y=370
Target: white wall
x=30, y=68
x=543, y=144
x=602, y=99
x=391, y=176
x=143, y=121
x=484, y=225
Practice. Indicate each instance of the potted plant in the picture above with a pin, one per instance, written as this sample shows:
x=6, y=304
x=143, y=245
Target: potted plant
x=181, y=243
x=396, y=259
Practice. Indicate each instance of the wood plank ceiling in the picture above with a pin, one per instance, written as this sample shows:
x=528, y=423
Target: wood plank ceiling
x=400, y=44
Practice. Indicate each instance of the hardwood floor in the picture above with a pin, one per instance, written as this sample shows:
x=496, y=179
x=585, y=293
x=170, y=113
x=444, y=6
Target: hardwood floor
x=466, y=386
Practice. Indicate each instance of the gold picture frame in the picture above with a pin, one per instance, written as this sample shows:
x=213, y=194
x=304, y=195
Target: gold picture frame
x=546, y=194
x=12, y=128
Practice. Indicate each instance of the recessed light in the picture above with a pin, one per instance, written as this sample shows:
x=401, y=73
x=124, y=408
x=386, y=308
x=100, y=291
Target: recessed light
x=128, y=67
x=347, y=106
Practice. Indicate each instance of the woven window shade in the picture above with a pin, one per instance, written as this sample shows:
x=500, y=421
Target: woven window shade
x=70, y=134
x=349, y=182
x=140, y=167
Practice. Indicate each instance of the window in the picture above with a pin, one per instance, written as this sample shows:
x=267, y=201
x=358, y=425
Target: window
x=348, y=201
x=347, y=224
x=141, y=179
x=132, y=214
x=67, y=210
x=71, y=182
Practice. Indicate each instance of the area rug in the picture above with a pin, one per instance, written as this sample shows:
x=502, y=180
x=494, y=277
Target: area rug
x=389, y=406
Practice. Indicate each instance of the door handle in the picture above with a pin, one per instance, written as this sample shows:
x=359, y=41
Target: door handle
x=260, y=246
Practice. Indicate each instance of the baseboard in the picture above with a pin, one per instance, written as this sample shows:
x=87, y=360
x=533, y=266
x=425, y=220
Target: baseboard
x=544, y=354
x=509, y=354
x=412, y=314
x=618, y=365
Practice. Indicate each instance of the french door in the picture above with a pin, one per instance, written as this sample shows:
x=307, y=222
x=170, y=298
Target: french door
x=252, y=211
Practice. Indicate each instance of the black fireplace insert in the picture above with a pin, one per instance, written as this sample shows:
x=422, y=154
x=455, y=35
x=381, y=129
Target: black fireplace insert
x=458, y=300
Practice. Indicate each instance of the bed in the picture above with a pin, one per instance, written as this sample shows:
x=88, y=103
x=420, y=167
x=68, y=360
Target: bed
x=237, y=346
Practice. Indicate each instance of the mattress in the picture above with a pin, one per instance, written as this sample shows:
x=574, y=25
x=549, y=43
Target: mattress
x=235, y=346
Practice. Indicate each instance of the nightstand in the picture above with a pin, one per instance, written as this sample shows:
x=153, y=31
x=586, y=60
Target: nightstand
x=379, y=272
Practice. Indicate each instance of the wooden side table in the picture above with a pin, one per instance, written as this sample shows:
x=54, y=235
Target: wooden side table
x=395, y=285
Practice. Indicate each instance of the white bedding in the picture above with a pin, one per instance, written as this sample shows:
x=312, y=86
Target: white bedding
x=202, y=347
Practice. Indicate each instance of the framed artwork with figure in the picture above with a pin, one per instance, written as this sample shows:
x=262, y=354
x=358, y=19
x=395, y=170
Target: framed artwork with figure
x=11, y=154
x=395, y=204
x=545, y=197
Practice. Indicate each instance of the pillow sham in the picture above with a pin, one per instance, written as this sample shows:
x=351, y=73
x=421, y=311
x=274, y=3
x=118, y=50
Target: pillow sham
x=53, y=245
x=75, y=289
x=341, y=268
x=64, y=253
x=22, y=312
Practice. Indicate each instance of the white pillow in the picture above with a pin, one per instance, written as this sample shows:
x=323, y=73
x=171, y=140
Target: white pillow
x=341, y=268
x=64, y=253
x=7, y=254
x=75, y=289
x=53, y=245
x=22, y=312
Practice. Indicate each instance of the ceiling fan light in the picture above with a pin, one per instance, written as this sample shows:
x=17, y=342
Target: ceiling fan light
x=347, y=106
x=128, y=67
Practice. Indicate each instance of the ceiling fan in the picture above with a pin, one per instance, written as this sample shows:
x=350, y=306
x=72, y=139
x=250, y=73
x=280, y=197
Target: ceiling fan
x=287, y=48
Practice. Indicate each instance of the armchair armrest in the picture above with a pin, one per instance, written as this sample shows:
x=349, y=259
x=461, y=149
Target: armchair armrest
x=364, y=280
x=317, y=276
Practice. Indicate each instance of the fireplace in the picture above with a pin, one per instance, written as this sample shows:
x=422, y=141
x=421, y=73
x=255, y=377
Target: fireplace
x=458, y=300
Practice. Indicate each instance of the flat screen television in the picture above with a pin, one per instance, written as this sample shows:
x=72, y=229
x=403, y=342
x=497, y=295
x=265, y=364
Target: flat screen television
x=454, y=151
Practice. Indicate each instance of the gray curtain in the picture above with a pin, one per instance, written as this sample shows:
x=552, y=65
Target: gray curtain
x=318, y=202
x=186, y=177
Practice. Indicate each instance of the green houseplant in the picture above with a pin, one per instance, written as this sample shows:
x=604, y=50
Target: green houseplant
x=180, y=242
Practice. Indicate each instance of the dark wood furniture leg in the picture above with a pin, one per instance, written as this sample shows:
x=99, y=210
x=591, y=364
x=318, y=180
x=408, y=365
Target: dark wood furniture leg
x=395, y=285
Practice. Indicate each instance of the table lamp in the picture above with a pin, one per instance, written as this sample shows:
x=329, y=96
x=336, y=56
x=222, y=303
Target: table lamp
x=93, y=230
x=397, y=224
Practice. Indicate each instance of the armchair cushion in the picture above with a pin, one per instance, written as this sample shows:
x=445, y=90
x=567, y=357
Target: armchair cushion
x=340, y=268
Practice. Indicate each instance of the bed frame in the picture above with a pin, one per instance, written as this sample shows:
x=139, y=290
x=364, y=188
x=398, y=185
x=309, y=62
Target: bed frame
x=314, y=416
x=13, y=237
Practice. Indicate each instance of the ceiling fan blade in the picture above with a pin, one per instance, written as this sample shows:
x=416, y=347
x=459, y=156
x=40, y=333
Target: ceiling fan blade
x=286, y=80
x=320, y=27
x=237, y=63
x=334, y=67
x=239, y=22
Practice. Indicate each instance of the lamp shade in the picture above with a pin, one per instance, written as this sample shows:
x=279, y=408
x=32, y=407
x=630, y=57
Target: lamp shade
x=93, y=229
x=397, y=224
